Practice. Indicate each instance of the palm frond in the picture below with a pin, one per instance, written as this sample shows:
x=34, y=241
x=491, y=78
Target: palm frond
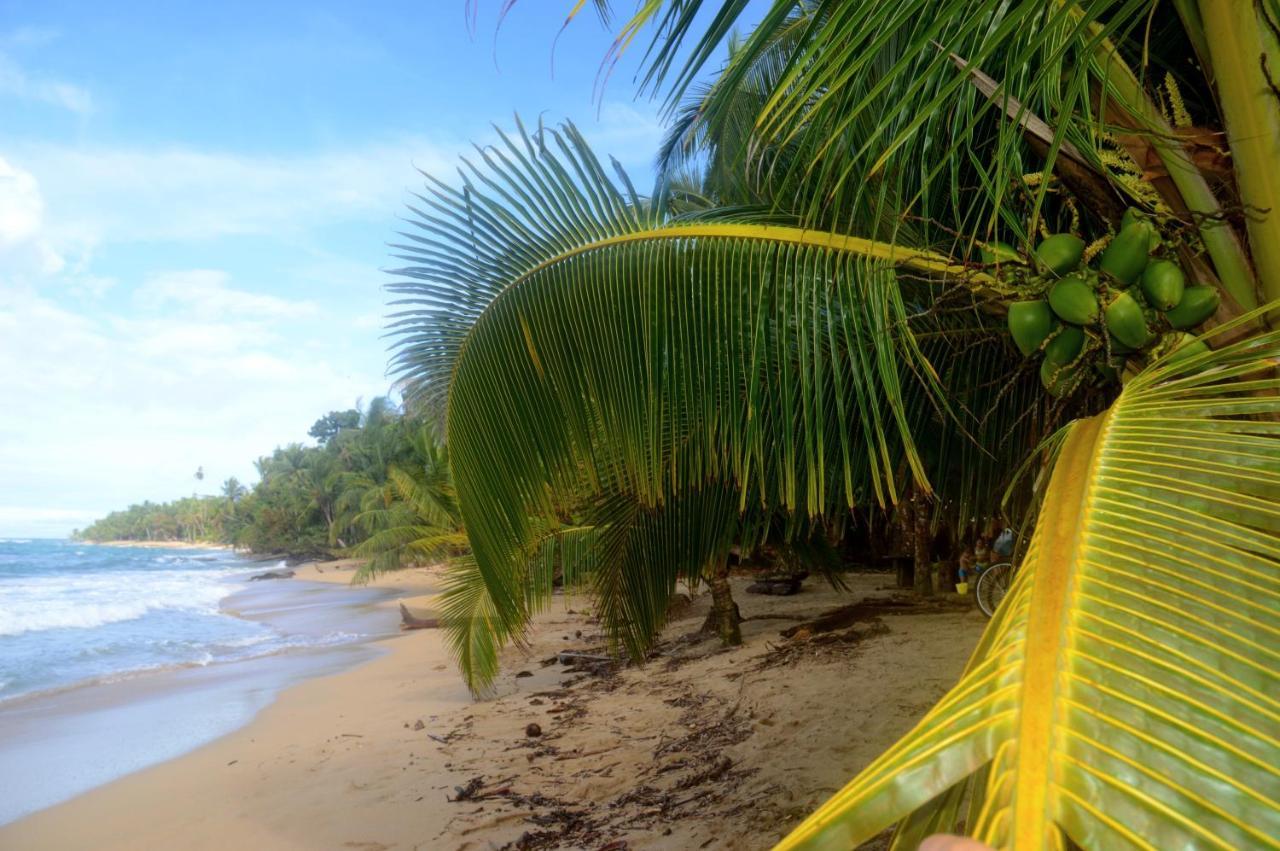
x=643, y=550
x=880, y=124
x=473, y=627
x=588, y=344
x=1125, y=695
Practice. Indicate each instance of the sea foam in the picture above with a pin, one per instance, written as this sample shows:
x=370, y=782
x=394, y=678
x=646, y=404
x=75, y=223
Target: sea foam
x=83, y=601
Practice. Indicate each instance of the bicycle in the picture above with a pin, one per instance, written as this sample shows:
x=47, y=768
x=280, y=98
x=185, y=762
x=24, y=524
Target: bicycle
x=993, y=583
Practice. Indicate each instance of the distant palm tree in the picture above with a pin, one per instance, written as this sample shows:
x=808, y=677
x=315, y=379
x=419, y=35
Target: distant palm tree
x=233, y=490
x=410, y=516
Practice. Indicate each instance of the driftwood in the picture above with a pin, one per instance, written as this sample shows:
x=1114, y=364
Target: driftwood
x=408, y=621
x=566, y=657
x=845, y=616
x=778, y=586
x=272, y=574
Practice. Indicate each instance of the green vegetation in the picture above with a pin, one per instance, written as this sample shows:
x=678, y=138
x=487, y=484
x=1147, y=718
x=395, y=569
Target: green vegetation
x=804, y=327
x=377, y=486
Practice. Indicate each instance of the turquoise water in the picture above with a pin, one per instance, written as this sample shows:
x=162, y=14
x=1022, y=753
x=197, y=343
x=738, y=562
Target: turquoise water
x=113, y=659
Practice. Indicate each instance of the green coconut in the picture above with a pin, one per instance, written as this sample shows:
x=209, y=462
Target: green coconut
x=1074, y=300
x=1030, y=323
x=1126, y=256
x=1126, y=323
x=1163, y=284
x=1061, y=252
x=1197, y=305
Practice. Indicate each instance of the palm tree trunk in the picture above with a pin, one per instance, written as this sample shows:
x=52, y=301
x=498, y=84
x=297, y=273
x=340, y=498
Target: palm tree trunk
x=921, y=541
x=724, y=617
x=1245, y=58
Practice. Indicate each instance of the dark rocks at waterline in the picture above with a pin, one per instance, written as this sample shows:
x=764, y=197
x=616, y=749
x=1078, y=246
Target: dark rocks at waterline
x=272, y=574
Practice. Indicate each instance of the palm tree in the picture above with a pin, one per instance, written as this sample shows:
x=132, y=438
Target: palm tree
x=233, y=491
x=812, y=330
x=410, y=516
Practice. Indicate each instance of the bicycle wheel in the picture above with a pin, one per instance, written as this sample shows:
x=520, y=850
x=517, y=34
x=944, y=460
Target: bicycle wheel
x=992, y=585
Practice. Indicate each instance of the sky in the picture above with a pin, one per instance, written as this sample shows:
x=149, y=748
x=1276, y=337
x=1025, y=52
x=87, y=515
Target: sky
x=195, y=206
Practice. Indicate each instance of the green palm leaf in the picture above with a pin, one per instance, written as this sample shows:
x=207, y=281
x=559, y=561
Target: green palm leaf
x=474, y=628
x=1125, y=696
x=879, y=123
x=589, y=345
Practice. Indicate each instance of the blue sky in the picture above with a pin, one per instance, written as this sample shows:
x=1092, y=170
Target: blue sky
x=195, y=201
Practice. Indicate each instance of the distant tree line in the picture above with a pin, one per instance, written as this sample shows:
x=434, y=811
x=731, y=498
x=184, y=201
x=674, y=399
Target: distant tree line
x=376, y=485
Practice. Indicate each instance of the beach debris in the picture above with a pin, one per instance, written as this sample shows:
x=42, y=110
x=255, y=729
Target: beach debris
x=272, y=574
x=715, y=771
x=688, y=778
x=520, y=674
x=476, y=790
x=418, y=725
x=590, y=663
x=233, y=762
x=805, y=643
x=410, y=621
x=778, y=586
x=467, y=792
x=533, y=730
x=567, y=657
x=844, y=616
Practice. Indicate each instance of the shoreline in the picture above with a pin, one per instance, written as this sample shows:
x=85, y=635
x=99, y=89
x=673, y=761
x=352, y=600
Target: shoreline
x=159, y=545
x=72, y=738
x=701, y=745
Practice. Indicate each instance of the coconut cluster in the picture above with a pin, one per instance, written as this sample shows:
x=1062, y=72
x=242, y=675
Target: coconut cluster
x=1092, y=322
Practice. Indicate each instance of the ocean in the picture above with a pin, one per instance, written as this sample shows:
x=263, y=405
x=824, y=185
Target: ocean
x=115, y=658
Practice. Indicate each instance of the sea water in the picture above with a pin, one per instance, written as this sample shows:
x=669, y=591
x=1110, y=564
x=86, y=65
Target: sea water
x=115, y=658
x=72, y=612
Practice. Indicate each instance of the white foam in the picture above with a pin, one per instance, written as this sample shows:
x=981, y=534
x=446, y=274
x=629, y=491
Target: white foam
x=86, y=600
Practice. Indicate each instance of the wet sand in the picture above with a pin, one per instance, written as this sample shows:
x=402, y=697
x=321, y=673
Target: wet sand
x=701, y=747
x=65, y=741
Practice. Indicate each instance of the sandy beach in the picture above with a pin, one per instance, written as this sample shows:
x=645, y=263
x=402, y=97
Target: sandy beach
x=164, y=545
x=700, y=748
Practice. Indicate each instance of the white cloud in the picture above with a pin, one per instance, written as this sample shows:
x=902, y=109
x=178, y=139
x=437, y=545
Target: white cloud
x=42, y=522
x=204, y=293
x=28, y=36
x=629, y=134
x=15, y=82
x=98, y=195
x=22, y=244
x=369, y=321
x=21, y=206
x=119, y=381
x=102, y=410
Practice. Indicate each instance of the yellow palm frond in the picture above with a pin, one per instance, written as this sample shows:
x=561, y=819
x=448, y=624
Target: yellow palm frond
x=1126, y=694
